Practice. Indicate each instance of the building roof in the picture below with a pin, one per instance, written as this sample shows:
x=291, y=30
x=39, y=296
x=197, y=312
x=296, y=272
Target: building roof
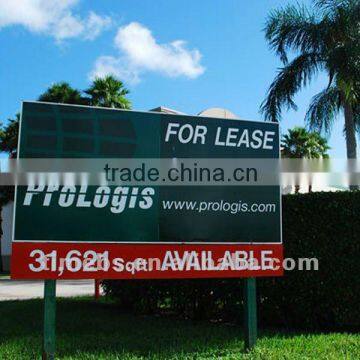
x=166, y=110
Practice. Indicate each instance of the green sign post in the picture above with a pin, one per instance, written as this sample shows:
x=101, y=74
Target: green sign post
x=49, y=320
x=250, y=318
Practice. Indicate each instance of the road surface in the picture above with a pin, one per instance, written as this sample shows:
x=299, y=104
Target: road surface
x=31, y=289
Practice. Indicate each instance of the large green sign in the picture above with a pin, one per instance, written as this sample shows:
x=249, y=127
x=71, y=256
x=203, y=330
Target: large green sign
x=159, y=213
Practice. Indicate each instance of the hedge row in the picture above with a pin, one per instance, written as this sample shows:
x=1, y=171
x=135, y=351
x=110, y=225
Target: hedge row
x=325, y=226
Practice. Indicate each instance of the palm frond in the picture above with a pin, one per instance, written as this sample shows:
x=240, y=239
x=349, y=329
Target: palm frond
x=108, y=92
x=287, y=83
x=294, y=28
x=332, y=6
x=323, y=109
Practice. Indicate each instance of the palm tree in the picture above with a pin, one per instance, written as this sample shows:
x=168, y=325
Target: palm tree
x=327, y=38
x=108, y=92
x=63, y=93
x=300, y=143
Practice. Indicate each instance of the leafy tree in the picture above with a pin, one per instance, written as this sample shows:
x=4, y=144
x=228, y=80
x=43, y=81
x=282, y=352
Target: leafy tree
x=108, y=92
x=300, y=143
x=63, y=93
x=9, y=136
x=325, y=38
x=8, y=144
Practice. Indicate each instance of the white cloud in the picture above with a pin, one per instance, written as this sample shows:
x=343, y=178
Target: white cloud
x=95, y=24
x=109, y=65
x=52, y=17
x=139, y=52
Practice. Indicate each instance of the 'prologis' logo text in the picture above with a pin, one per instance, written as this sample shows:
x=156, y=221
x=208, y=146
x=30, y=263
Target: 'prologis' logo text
x=118, y=198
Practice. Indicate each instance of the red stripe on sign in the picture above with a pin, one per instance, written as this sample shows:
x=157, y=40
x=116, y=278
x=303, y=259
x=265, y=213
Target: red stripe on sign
x=36, y=260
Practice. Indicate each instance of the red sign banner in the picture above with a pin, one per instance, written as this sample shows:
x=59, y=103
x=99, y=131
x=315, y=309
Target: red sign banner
x=38, y=260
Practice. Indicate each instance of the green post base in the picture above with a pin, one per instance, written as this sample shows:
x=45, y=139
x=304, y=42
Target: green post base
x=49, y=320
x=250, y=319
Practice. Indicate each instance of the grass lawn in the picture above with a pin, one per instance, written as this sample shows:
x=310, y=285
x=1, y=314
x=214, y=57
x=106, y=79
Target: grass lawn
x=89, y=330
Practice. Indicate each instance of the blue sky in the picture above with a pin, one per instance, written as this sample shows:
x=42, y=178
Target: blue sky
x=225, y=61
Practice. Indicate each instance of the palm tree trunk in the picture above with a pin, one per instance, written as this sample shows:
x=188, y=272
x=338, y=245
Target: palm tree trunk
x=350, y=135
x=350, y=131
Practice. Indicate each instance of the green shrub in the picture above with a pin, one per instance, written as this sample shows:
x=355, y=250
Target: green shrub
x=325, y=226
